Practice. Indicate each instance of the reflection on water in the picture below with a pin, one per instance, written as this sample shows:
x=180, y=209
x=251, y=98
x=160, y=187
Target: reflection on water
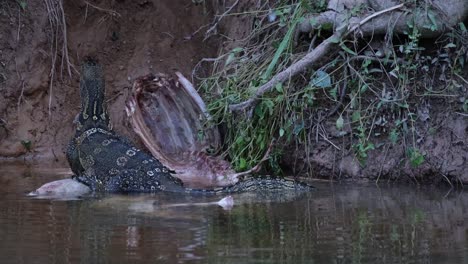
x=335, y=224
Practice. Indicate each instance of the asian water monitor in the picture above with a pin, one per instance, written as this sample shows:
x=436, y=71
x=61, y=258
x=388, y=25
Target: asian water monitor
x=107, y=162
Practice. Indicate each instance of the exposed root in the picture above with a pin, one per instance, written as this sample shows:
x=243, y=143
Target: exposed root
x=309, y=59
x=56, y=15
x=109, y=12
x=20, y=77
x=215, y=23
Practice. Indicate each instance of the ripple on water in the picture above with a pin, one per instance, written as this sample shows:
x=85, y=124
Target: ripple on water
x=335, y=224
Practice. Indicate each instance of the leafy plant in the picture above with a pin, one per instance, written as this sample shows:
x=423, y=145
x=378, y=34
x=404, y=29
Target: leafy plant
x=376, y=90
x=363, y=146
x=22, y=3
x=26, y=144
x=416, y=158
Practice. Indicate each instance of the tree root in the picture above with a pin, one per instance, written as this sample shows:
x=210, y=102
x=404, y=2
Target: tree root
x=310, y=58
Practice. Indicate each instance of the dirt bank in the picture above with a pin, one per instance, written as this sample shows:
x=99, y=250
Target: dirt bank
x=443, y=142
x=130, y=39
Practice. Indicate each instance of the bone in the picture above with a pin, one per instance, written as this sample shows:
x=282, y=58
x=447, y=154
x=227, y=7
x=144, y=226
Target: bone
x=226, y=203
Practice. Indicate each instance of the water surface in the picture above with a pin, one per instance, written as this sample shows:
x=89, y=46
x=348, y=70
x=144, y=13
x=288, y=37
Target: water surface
x=335, y=224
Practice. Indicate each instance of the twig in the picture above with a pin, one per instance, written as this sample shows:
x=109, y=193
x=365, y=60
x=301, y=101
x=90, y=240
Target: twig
x=459, y=76
x=57, y=21
x=168, y=34
x=217, y=20
x=342, y=96
x=22, y=85
x=19, y=24
x=447, y=179
x=382, y=165
x=309, y=59
x=189, y=37
x=331, y=143
x=21, y=94
x=110, y=11
x=462, y=114
x=205, y=60
x=53, y=21
x=65, y=43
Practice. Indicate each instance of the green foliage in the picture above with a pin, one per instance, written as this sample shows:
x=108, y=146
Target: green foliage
x=394, y=136
x=22, y=3
x=26, y=144
x=415, y=157
x=363, y=146
x=375, y=90
x=321, y=79
x=276, y=115
x=340, y=123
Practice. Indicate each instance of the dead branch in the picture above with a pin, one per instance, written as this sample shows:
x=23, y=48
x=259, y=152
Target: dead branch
x=310, y=58
x=105, y=10
x=210, y=31
x=431, y=21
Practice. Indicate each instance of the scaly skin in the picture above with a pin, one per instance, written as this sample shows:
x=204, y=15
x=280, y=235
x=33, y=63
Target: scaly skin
x=107, y=162
x=103, y=160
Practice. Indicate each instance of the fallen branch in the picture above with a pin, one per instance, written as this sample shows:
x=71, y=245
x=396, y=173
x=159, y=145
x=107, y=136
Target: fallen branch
x=309, y=59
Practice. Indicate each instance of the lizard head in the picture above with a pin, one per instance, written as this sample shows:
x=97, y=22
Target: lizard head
x=92, y=89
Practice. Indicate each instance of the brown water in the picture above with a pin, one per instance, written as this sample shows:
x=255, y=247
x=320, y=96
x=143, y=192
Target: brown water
x=335, y=224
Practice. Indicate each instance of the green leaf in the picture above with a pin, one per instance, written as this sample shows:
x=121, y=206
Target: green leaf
x=281, y=132
x=394, y=136
x=364, y=88
x=200, y=135
x=22, y=4
x=313, y=21
x=356, y=116
x=279, y=98
x=242, y=163
x=259, y=111
x=334, y=39
x=282, y=47
x=26, y=144
x=416, y=158
x=321, y=79
x=450, y=45
x=369, y=146
x=348, y=50
x=433, y=21
x=340, y=123
x=279, y=87
x=333, y=93
x=298, y=128
x=405, y=105
x=462, y=26
x=229, y=59
x=232, y=55
x=239, y=140
x=270, y=105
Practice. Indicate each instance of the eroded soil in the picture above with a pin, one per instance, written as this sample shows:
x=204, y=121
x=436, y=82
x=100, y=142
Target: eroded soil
x=130, y=39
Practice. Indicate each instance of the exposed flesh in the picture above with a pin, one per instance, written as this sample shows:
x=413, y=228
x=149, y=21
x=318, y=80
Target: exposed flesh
x=170, y=118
